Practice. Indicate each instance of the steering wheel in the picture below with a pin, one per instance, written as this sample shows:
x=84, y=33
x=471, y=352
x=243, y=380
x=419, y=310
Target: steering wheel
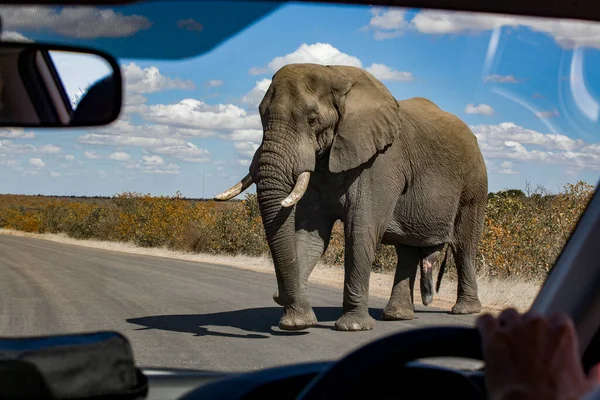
x=362, y=368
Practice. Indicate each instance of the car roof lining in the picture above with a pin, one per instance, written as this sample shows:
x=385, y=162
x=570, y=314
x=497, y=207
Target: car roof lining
x=579, y=9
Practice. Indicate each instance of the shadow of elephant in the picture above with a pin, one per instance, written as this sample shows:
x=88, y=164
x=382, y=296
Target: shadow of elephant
x=258, y=322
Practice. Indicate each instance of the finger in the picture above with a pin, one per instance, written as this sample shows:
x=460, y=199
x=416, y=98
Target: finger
x=560, y=321
x=493, y=345
x=486, y=324
x=561, y=336
x=529, y=315
x=594, y=374
x=509, y=318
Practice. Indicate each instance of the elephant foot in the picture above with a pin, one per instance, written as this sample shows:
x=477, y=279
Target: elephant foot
x=467, y=306
x=355, y=320
x=398, y=312
x=297, y=317
x=427, y=298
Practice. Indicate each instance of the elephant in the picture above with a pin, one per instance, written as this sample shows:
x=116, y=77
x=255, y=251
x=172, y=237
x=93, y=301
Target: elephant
x=337, y=145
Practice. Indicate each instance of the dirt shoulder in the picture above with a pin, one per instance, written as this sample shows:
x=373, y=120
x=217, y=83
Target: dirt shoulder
x=494, y=294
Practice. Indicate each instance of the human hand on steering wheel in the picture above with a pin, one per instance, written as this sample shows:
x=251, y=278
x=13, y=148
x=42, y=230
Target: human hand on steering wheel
x=531, y=357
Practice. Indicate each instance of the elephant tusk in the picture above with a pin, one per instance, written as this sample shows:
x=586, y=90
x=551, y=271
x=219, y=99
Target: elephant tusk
x=235, y=190
x=299, y=190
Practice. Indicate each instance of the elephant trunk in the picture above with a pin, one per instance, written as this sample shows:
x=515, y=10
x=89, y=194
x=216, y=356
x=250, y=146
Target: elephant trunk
x=279, y=187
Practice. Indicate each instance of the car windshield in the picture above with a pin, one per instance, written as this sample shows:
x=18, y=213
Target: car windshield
x=116, y=227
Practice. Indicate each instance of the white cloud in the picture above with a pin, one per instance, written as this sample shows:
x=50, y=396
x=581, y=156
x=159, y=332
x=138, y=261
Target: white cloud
x=9, y=147
x=507, y=168
x=37, y=162
x=92, y=155
x=389, y=20
x=54, y=174
x=496, y=78
x=258, y=71
x=567, y=33
x=124, y=133
x=255, y=96
x=195, y=114
x=214, y=83
x=482, y=109
x=16, y=133
x=69, y=157
x=385, y=73
x=245, y=149
x=124, y=127
x=318, y=53
x=120, y=156
x=79, y=21
x=153, y=160
x=245, y=135
x=155, y=168
x=509, y=141
x=149, y=80
x=132, y=103
x=7, y=160
x=324, y=54
x=188, y=152
x=50, y=149
x=387, y=24
x=442, y=22
x=509, y=131
x=127, y=140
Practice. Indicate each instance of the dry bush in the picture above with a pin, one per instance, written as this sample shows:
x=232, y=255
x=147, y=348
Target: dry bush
x=523, y=235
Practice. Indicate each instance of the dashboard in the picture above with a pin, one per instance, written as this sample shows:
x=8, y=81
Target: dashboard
x=287, y=382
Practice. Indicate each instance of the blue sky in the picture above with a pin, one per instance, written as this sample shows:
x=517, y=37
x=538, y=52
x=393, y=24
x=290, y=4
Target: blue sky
x=529, y=89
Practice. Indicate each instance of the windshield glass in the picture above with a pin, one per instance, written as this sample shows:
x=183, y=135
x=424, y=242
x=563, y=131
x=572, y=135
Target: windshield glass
x=132, y=240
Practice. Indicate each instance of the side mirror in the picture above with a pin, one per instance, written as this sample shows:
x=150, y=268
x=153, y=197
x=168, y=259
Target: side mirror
x=45, y=85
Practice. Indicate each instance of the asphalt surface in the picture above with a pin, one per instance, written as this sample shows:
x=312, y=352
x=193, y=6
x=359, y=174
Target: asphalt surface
x=176, y=313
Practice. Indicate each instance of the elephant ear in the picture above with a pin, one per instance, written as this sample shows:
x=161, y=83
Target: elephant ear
x=369, y=118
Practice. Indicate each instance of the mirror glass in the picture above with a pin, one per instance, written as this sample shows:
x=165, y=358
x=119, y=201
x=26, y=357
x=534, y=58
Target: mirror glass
x=41, y=86
x=69, y=66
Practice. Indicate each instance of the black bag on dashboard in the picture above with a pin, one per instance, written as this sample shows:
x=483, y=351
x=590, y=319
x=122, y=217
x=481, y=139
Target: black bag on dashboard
x=79, y=366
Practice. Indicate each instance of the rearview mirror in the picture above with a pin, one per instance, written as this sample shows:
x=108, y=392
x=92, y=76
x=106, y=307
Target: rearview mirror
x=57, y=86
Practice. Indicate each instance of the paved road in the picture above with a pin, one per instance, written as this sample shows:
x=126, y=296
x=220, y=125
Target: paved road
x=176, y=313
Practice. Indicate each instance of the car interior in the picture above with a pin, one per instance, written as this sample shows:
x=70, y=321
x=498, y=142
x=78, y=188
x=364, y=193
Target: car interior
x=33, y=95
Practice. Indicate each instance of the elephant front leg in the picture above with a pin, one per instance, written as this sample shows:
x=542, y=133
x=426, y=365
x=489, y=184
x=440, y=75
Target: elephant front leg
x=359, y=255
x=312, y=240
x=313, y=233
x=401, y=303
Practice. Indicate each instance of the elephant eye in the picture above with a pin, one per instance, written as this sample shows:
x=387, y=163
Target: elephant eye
x=313, y=119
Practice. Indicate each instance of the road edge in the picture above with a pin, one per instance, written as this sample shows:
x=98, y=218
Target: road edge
x=332, y=276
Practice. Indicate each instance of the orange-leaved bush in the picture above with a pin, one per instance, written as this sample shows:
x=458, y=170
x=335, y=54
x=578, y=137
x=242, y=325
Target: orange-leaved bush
x=523, y=233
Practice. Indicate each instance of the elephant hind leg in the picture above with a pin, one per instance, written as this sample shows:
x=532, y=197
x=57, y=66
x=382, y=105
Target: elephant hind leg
x=467, y=233
x=401, y=303
x=426, y=283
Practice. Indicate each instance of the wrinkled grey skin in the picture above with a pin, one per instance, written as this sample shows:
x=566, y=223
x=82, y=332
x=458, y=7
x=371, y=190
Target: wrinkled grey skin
x=403, y=173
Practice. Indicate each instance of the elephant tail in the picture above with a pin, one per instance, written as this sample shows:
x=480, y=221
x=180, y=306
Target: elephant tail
x=442, y=270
